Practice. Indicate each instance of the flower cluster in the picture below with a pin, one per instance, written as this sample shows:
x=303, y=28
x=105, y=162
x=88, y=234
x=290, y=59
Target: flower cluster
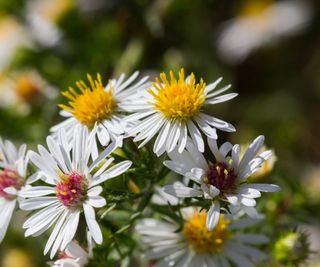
x=68, y=188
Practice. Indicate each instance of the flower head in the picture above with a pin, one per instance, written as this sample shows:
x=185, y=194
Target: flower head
x=22, y=89
x=224, y=180
x=195, y=245
x=42, y=18
x=98, y=107
x=173, y=110
x=292, y=248
x=200, y=239
x=92, y=104
x=73, y=173
x=178, y=99
x=260, y=23
x=13, y=171
x=9, y=178
x=72, y=189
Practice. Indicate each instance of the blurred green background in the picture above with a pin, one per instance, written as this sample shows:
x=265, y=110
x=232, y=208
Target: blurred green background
x=47, y=45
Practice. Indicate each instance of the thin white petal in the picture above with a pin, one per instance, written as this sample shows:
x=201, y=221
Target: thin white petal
x=92, y=223
x=213, y=215
x=179, y=190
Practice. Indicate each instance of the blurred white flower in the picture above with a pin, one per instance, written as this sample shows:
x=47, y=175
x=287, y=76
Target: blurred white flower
x=260, y=23
x=21, y=89
x=12, y=37
x=13, y=171
x=42, y=17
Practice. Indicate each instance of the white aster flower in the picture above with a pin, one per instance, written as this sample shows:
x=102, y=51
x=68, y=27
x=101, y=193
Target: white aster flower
x=196, y=246
x=73, y=256
x=98, y=107
x=73, y=187
x=261, y=23
x=222, y=180
x=173, y=111
x=13, y=171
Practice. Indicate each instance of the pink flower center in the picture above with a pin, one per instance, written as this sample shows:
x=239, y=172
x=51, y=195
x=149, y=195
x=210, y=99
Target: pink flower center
x=72, y=189
x=9, y=178
x=220, y=176
x=64, y=255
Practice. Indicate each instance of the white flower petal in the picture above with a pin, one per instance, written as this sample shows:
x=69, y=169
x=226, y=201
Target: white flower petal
x=250, y=202
x=37, y=191
x=206, y=128
x=37, y=203
x=114, y=171
x=239, y=259
x=176, y=167
x=195, y=135
x=97, y=201
x=252, y=150
x=264, y=187
x=213, y=215
x=179, y=190
x=222, y=98
x=5, y=215
x=92, y=223
x=255, y=239
x=55, y=231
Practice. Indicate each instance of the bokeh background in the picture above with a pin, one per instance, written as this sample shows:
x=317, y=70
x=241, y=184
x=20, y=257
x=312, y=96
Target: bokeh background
x=268, y=50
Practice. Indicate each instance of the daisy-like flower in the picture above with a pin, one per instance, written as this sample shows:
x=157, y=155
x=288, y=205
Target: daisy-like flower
x=98, y=107
x=261, y=23
x=73, y=186
x=196, y=246
x=173, y=110
x=73, y=256
x=223, y=180
x=13, y=171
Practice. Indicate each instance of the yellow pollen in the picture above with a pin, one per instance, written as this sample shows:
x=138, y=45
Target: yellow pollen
x=90, y=105
x=218, y=170
x=206, y=180
x=63, y=177
x=178, y=99
x=200, y=239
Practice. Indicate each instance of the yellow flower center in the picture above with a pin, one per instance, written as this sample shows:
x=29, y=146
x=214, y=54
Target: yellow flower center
x=26, y=87
x=255, y=8
x=178, y=99
x=200, y=239
x=92, y=104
